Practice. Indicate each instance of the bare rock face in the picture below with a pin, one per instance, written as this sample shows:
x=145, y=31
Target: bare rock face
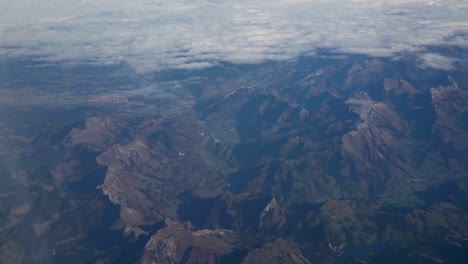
x=98, y=133
x=439, y=217
x=343, y=222
x=273, y=216
x=123, y=187
x=399, y=87
x=181, y=243
x=363, y=73
x=375, y=148
x=377, y=130
x=146, y=176
x=451, y=109
x=276, y=252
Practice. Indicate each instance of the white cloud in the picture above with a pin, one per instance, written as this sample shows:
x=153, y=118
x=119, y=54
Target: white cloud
x=436, y=61
x=159, y=34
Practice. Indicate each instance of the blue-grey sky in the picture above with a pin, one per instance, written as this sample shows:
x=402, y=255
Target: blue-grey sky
x=160, y=34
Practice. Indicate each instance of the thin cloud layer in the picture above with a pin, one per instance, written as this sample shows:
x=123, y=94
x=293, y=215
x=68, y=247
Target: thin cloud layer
x=181, y=34
x=431, y=60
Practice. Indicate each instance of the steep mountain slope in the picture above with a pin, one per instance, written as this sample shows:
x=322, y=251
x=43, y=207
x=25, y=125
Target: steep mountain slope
x=316, y=160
